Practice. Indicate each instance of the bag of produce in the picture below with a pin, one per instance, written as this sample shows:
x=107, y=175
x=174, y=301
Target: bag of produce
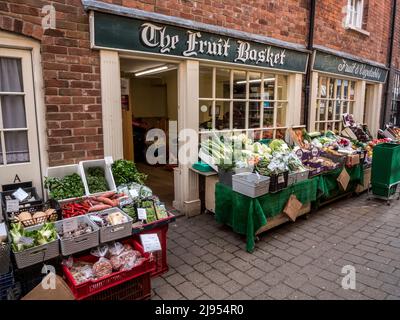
x=103, y=266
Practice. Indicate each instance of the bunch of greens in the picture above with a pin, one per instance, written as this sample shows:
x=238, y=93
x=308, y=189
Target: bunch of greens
x=96, y=180
x=22, y=239
x=70, y=186
x=125, y=171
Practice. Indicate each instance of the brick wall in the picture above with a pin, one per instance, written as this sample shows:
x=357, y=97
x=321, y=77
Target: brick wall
x=281, y=19
x=330, y=31
x=71, y=76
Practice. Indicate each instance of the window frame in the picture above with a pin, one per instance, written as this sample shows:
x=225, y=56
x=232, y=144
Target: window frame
x=3, y=130
x=247, y=100
x=355, y=14
x=336, y=124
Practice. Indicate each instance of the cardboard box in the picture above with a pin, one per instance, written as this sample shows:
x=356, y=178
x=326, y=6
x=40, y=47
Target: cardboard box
x=353, y=160
x=60, y=290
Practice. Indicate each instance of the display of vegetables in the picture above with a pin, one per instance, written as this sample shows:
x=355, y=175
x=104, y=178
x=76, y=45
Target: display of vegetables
x=96, y=180
x=71, y=186
x=125, y=171
x=105, y=201
x=23, y=239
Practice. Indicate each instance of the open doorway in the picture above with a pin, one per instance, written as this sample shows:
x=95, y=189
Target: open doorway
x=149, y=101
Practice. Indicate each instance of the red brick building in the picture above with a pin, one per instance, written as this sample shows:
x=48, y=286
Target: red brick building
x=70, y=57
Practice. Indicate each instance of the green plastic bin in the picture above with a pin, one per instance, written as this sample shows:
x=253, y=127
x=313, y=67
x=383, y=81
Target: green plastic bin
x=385, y=165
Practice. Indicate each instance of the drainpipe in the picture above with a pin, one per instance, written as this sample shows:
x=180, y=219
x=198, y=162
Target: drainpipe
x=389, y=63
x=310, y=47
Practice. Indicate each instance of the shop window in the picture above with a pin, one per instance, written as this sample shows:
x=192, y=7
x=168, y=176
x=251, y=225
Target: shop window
x=13, y=125
x=355, y=11
x=236, y=100
x=335, y=98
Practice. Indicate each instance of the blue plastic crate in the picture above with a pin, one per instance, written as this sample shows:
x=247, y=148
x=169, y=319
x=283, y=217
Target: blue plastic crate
x=7, y=280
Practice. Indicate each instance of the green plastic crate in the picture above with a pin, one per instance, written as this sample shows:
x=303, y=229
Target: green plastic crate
x=265, y=141
x=383, y=191
x=201, y=166
x=386, y=164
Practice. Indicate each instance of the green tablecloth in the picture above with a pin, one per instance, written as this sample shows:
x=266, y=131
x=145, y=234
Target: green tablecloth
x=246, y=215
x=328, y=186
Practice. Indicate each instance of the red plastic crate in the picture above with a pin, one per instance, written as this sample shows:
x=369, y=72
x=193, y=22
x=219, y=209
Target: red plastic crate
x=92, y=287
x=160, y=257
x=135, y=289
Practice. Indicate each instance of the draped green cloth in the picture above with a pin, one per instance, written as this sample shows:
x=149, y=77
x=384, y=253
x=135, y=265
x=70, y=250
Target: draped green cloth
x=246, y=215
x=328, y=186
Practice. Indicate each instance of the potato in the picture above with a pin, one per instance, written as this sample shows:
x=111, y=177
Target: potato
x=23, y=216
x=39, y=214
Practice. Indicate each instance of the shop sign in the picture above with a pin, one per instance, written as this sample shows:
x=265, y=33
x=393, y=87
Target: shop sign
x=329, y=63
x=112, y=31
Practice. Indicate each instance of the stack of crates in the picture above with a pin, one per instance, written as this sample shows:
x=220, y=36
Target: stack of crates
x=385, y=169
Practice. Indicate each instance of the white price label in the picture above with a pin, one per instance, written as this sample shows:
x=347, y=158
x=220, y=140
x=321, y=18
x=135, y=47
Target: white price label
x=281, y=179
x=20, y=194
x=70, y=225
x=150, y=242
x=134, y=193
x=142, y=214
x=12, y=206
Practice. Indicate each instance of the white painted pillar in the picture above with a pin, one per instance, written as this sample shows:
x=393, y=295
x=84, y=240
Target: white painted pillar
x=313, y=103
x=293, y=112
x=186, y=181
x=359, y=97
x=111, y=104
x=374, y=109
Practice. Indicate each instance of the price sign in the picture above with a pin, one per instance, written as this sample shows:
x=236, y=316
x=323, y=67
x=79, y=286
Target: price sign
x=20, y=194
x=12, y=206
x=70, y=225
x=281, y=179
x=142, y=214
x=150, y=242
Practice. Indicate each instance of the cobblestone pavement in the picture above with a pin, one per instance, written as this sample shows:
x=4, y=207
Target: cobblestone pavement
x=301, y=260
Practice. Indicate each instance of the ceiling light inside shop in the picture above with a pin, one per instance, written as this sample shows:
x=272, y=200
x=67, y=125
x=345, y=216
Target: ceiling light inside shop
x=151, y=71
x=255, y=81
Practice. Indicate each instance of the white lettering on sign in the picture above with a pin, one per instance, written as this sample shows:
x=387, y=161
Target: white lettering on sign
x=245, y=53
x=212, y=48
x=154, y=36
x=360, y=70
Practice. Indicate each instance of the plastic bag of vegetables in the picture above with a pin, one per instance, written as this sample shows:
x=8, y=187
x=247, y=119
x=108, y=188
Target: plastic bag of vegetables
x=23, y=239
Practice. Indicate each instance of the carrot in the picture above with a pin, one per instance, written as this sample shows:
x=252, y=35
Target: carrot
x=108, y=194
x=105, y=201
x=99, y=207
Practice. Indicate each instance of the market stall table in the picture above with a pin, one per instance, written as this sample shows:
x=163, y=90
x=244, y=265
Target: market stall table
x=247, y=215
x=329, y=188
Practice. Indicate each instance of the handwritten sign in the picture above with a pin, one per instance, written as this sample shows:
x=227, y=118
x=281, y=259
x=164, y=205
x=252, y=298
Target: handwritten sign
x=142, y=214
x=12, y=206
x=150, y=242
x=20, y=194
x=70, y=225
